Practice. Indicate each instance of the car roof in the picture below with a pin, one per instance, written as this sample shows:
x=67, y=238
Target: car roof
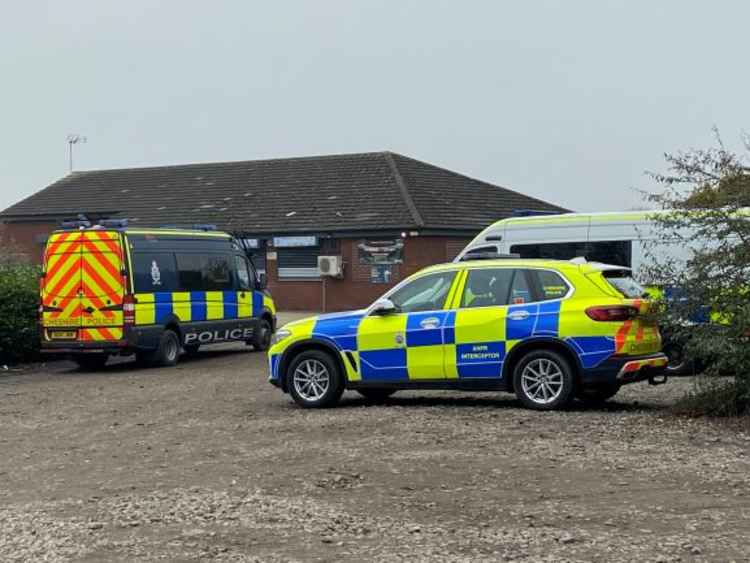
x=575, y=264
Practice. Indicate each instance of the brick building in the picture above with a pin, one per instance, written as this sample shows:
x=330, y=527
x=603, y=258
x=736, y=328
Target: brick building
x=384, y=214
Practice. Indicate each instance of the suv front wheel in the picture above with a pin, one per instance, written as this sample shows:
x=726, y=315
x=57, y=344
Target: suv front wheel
x=313, y=380
x=544, y=380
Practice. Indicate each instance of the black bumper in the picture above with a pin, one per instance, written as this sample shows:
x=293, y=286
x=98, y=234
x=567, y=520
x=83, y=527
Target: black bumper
x=628, y=369
x=108, y=347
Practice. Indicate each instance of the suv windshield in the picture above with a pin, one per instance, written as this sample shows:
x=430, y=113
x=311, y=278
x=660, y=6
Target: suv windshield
x=624, y=283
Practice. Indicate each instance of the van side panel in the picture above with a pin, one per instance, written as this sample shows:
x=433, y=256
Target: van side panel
x=203, y=316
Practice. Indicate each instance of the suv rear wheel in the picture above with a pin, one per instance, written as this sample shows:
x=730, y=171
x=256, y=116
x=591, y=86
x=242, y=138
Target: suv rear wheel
x=544, y=380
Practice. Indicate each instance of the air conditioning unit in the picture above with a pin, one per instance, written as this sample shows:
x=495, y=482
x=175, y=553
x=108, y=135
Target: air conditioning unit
x=331, y=266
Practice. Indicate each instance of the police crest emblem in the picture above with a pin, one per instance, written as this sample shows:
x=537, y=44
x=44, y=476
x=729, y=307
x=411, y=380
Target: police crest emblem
x=155, y=273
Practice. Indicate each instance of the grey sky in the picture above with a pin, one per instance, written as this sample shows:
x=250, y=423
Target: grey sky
x=567, y=101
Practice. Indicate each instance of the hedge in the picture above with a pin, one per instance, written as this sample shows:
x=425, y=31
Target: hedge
x=19, y=302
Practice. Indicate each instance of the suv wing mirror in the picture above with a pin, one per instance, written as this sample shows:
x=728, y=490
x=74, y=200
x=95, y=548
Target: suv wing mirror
x=262, y=281
x=384, y=307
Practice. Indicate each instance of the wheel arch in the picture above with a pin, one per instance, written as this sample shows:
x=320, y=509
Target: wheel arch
x=304, y=345
x=268, y=316
x=173, y=323
x=526, y=346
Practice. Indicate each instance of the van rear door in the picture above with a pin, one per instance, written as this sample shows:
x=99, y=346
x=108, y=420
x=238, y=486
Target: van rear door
x=103, y=285
x=61, y=286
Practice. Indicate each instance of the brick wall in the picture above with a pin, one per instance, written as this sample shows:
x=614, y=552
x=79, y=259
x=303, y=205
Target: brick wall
x=28, y=237
x=355, y=289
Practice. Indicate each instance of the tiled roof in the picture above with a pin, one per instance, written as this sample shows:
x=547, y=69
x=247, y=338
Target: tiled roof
x=368, y=191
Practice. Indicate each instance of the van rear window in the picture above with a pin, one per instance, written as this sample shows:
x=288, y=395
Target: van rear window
x=623, y=282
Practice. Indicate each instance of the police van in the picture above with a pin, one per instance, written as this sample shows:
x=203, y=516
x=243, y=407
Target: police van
x=113, y=290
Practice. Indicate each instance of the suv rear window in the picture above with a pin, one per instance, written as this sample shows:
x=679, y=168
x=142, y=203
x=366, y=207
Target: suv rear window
x=624, y=283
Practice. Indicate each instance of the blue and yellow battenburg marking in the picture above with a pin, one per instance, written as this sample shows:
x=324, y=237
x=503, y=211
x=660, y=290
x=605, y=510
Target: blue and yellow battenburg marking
x=445, y=344
x=193, y=306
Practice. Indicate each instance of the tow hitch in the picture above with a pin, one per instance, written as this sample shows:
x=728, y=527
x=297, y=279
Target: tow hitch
x=657, y=379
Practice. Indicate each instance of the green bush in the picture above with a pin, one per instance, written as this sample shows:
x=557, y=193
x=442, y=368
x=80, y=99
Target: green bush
x=706, y=196
x=19, y=301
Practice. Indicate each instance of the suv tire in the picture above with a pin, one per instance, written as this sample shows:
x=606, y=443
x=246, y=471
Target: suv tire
x=544, y=380
x=314, y=380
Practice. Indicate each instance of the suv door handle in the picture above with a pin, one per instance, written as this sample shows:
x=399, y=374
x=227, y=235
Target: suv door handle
x=518, y=315
x=430, y=322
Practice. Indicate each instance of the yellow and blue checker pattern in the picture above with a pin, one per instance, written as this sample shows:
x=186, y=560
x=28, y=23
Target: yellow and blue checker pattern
x=473, y=342
x=446, y=344
x=194, y=306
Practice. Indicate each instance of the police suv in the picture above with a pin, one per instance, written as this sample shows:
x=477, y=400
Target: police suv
x=112, y=290
x=547, y=330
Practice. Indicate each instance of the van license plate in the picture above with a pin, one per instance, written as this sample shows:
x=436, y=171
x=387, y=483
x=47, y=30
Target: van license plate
x=63, y=334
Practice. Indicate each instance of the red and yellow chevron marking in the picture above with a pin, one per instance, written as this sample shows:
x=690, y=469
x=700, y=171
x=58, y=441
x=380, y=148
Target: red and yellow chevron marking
x=83, y=270
x=100, y=334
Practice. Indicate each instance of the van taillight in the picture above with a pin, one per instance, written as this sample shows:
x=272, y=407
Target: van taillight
x=614, y=313
x=128, y=309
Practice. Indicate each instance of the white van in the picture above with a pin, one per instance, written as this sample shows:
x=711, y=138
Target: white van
x=622, y=239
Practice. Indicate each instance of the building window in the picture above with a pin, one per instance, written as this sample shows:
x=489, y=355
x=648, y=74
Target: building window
x=299, y=262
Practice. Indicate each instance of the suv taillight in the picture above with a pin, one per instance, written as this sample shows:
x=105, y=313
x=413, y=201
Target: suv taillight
x=128, y=309
x=613, y=313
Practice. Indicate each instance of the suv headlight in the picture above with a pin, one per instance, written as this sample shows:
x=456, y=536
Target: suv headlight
x=280, y=335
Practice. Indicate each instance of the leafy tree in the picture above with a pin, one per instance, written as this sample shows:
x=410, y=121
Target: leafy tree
x=706, y=198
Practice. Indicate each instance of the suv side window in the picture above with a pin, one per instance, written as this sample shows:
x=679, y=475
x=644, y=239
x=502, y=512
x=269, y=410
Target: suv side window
x=520, y=289
x=550, y=285
x=487, y=287
x=427, y=293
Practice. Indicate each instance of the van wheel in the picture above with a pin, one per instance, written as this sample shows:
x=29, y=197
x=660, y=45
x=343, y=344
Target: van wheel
x=91, y=362
x=544, y=380
x=168, y=351
x=262, y=338
x=314, y=380
x=597, y=394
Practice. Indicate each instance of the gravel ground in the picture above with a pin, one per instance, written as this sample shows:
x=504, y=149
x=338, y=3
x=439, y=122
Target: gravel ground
x=207, y=461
